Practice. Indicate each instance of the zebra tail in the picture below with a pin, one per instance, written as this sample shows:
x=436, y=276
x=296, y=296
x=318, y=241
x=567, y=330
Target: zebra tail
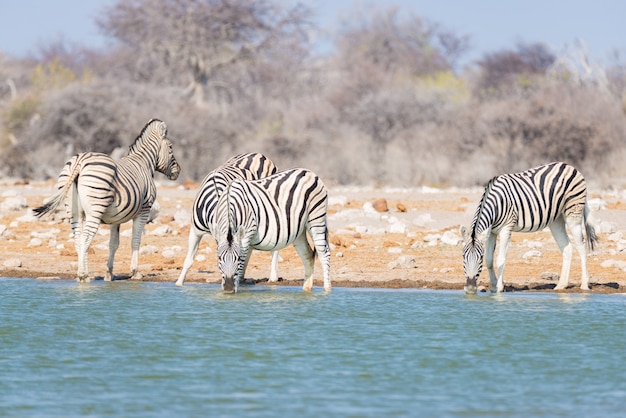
x=592, y=237
x=58, y=198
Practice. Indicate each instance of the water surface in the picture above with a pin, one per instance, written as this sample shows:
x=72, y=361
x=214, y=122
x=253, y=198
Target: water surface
x=153, y=349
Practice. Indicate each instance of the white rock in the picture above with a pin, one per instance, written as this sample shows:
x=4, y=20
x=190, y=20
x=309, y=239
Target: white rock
x=169, y=253
x=533, y=244
x=45, y=235
x=394, y=250
x=417, y=244
x=29, y=217
x=368, y=208
x=615, y=236
x=605, y=228
x=12, y=263
x=3, y=228
x=619, y=264
x=398, y=228
x=182, y=217
x=403, y=262
x=148, y=249
x=596, y=204
x=423, y=220
x=430, y=238
x=35, y=242
x=13, y=203
x=9, y=193
x=531, y=254
x=337, y=200
x=450, y=238
x=200, y=258
x=161, y=230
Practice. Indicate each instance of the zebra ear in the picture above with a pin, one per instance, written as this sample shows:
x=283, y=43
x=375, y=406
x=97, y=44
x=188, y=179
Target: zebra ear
x=464, y=233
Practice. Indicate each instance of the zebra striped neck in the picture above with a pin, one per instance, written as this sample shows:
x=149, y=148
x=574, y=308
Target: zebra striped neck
x=483, y=219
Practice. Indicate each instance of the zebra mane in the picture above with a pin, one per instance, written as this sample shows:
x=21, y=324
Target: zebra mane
x=229, y=235
x=481, y=206
x=147, y=132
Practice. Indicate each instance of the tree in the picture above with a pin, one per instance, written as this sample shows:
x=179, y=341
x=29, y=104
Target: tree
x=499, y=69
x=190, y=42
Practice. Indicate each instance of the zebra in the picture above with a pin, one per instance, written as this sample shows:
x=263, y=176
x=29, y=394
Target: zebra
x=552, y=195
x=114, y=192
x=269, y=214
x=249, y=166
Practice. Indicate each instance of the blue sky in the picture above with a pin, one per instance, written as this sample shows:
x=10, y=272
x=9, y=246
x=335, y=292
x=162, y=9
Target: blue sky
x=492, y=24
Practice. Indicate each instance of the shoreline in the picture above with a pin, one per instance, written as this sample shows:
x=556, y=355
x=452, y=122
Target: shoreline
x=413, y=243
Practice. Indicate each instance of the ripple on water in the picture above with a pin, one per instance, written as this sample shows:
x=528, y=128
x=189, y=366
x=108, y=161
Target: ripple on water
x=143, y=348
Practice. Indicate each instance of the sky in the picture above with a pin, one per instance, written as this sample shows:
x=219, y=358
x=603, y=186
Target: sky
x=492, y=25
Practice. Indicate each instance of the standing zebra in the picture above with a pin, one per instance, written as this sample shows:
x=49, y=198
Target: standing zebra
x=552, y=195
x=113, y=192
x=250, y=166
x=269, y=214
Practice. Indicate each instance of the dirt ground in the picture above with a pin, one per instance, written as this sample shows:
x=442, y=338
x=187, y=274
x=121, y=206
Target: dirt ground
x=413, y=244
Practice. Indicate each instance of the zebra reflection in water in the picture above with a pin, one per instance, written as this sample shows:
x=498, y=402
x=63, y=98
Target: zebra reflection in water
x=114, y=192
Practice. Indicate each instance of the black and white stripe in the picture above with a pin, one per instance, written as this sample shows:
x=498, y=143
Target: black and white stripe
x=270, y=214
x=249, y=166
x=114, y=192
x=552, y=195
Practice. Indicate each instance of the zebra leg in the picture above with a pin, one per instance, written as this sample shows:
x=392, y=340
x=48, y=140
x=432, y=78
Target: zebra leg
x=88, y=228
x=307, y=255
x=274, y=268
x=114, y=243
x=505, y=240
x=574, y=223
x=490, y=248
x=194, y=241
x=560, y=236
x=138, y=224
x=320, y=241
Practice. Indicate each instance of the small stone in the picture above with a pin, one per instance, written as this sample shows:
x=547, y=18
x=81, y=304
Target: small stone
x=35, y=242
x=403, y=262
x=12, y=263
x=15, y=203
x=161, y=230
x=380, y=205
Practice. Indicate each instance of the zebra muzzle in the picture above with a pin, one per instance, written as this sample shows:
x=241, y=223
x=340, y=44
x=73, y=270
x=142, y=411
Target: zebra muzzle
x=471, y=285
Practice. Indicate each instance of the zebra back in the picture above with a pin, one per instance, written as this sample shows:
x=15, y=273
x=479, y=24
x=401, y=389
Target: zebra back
x=276, y=208
x=530, y=200
x=118, y=190
x=248, y=166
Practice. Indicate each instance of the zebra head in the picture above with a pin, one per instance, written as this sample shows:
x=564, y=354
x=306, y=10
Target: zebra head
x=473, y=252
x=229, y=259
x=166, y=162
x=153, y=140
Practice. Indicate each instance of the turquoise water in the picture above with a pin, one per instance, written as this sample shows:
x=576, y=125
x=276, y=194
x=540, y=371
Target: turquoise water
x=153, y=349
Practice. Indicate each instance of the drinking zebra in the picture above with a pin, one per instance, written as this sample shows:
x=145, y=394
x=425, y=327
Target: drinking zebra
x=269, y=214
x=552, y=195
x=113, y=192
x=248, y=166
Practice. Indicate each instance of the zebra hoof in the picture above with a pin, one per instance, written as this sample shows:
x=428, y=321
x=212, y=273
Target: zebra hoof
x=137, y=276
